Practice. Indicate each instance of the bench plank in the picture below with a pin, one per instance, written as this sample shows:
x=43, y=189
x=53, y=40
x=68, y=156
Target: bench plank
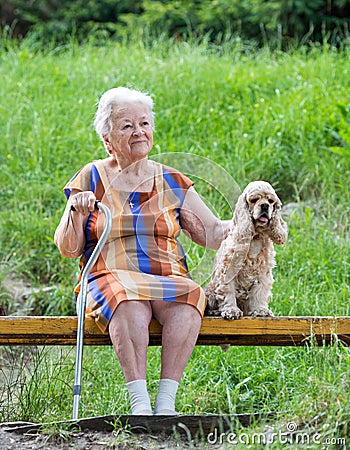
x=262, y=331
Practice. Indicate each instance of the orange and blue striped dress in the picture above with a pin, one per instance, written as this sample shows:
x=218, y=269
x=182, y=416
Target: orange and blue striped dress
x=142, y=258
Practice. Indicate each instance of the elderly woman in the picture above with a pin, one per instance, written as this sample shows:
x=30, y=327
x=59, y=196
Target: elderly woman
x=141, y=272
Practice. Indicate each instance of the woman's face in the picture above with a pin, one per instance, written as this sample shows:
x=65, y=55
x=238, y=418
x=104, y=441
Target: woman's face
x=131, y=138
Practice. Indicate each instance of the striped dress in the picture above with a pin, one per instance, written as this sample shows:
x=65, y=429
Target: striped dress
x=142, y=258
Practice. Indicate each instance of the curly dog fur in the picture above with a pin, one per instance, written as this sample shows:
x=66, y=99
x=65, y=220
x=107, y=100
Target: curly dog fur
x=242, y=279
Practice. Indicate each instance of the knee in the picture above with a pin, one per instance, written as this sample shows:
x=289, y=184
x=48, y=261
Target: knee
x=185, y=316
x=196, y=319
x=192, y=315
x=130, y=321
x=188, y=312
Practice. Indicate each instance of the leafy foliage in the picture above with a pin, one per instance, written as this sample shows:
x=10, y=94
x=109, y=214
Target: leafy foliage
x=278, y=23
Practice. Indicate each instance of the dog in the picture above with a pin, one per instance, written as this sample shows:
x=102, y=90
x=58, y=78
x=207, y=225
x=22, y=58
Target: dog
x=242, y=278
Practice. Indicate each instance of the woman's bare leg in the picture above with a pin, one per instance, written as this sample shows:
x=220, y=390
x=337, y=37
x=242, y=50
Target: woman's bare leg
x=129, y=332
x=181, y=324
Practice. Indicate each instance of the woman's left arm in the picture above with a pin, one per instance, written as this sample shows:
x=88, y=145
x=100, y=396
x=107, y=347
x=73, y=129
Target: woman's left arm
x=202, y=226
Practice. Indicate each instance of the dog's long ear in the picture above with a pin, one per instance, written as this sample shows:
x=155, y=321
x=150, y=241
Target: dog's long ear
x=241, y=208
x=277, y=205
x=278, y=227
x=242, y=219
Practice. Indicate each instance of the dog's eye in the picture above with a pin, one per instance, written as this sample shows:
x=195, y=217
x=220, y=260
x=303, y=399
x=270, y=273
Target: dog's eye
x=253, y=200
x=271, y=201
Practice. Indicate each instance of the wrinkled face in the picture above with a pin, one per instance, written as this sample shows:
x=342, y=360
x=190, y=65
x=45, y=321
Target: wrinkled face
x=131, y=138
x=262, y=201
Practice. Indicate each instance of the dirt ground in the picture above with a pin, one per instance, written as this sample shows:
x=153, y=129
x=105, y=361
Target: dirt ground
x=94, y=441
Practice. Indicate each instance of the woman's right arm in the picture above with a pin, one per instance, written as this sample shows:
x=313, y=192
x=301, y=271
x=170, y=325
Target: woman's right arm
x=69, y=235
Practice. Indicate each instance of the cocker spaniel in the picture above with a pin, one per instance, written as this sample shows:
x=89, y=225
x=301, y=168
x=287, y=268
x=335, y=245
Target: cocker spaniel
x=242, y=278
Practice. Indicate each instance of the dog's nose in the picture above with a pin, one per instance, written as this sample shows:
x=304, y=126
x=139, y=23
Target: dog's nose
x=264, y=206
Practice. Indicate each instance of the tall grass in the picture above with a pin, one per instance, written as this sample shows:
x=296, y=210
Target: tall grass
x=279, y=117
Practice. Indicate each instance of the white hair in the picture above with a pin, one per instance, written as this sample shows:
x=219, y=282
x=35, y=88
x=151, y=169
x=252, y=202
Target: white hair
x=115, y=97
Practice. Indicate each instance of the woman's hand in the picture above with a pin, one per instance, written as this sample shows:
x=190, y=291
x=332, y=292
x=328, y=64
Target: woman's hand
x=83, y=202
x=69, y=235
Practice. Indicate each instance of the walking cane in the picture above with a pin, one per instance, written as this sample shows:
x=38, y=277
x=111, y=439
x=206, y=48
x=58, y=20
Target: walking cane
x=82, y=306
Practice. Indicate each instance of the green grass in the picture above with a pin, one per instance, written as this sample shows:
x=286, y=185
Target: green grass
x=280, y=117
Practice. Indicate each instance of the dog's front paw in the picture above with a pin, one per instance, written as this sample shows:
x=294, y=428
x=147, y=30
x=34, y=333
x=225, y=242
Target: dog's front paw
x=261, y=312
x=213, y=303
x=231, y=312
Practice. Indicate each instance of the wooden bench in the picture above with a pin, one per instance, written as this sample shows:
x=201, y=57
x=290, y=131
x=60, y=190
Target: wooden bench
x=249, y=331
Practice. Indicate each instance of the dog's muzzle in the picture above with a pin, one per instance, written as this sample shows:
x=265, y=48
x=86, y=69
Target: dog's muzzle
x=264, y=214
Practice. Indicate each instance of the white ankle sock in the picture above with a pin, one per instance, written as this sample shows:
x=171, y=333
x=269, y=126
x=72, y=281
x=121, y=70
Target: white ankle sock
x=139, y=398
x=165, y=401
